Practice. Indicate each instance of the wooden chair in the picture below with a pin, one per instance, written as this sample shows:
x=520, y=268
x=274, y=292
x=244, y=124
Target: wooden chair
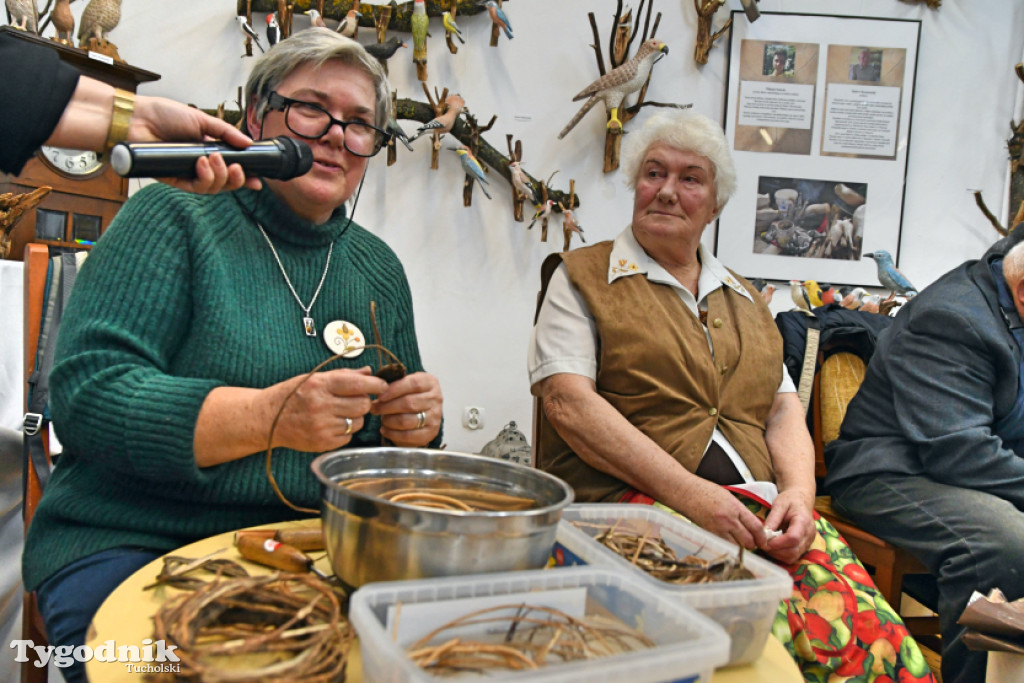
x=36, y=263
x=836, y=381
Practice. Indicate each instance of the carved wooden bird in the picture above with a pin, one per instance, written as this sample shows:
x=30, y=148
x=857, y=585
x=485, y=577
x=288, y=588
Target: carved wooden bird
x=248, y=30
x=349, y=26
x=99, y=18
x=443, y=123
x=419, y=23
x=315, y=19
x=614, y=86
x=451, y=28
x=522, y=183
x=499, y=18
x=473, y=168
x=273, y=29
x=569, y=226
x=890, y=276
x=542, y=213
x=12, y=207
x=384, y=51
x=24, y=15
x=63, y=21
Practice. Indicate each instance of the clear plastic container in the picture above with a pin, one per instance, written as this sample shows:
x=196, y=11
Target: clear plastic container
x=688, y=646
x=745, y=608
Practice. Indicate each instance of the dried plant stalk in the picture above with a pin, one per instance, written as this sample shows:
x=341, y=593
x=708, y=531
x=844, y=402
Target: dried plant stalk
x=535, y=636
x=657, y=558
x=293, y=622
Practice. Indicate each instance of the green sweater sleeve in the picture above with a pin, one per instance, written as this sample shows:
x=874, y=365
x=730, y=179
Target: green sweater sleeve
x=112, y=395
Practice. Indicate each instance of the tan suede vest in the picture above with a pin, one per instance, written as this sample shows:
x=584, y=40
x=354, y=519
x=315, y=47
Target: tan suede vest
x=655, y=367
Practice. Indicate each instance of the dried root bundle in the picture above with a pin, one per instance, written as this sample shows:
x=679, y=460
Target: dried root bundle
x=526, y=637
x=273, y=628
x=659, y=560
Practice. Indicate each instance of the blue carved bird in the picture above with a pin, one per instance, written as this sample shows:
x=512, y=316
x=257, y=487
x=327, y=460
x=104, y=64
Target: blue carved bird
x=472, y=168
x=890, y=276
x=499, y=18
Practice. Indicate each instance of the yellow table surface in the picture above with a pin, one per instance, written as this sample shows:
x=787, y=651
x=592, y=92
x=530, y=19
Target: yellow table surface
x=126, y=617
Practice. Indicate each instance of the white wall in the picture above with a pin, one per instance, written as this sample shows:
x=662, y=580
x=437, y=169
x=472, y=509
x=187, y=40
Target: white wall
x=474, y=272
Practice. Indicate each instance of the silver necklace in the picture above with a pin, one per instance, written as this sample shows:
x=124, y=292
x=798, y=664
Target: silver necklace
x=307, y=322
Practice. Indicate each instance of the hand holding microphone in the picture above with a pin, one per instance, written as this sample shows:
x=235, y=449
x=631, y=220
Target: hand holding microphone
x=282, y=158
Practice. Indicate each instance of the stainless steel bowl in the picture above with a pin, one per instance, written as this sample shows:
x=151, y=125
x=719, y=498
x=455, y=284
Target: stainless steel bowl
x=372, y=539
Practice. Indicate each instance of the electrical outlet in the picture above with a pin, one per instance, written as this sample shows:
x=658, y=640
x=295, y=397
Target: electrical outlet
x=473, y=417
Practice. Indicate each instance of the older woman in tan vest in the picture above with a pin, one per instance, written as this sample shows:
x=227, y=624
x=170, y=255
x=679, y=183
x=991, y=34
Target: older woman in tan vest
x=661, y=376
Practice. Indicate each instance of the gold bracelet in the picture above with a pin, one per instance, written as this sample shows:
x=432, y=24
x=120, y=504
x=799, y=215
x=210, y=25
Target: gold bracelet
x=120, y=118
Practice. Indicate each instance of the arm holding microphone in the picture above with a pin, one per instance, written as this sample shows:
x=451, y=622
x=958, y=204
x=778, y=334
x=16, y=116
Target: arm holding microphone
x=76, y=111
x=90, y=119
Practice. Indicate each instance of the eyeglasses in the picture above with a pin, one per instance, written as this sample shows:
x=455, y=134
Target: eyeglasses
x=311, y=121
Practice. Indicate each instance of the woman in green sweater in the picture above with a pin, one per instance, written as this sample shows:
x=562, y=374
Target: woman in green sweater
x=193, y=319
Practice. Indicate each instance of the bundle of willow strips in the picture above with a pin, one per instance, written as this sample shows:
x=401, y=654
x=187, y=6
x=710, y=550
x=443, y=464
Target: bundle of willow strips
x=535, y=637
x=441, y=497
x=658, y=559
x=273, y=628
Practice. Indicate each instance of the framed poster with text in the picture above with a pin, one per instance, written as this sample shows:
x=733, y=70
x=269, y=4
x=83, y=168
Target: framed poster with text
x=818, y=112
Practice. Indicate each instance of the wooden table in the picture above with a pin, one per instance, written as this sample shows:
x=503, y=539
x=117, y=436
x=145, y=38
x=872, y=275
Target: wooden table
x=126, y=617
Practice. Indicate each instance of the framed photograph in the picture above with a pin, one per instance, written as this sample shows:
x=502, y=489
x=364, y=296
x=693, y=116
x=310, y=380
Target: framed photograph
x=817, y=115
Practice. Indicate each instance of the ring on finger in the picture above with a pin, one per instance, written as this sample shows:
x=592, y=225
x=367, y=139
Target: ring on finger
x=349, y=424
x=421, y=419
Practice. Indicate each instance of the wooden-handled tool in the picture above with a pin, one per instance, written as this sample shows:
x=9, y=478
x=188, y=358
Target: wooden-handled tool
x=273, y=553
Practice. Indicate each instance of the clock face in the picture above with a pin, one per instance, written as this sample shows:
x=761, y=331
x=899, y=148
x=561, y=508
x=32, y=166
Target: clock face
x=72, y=162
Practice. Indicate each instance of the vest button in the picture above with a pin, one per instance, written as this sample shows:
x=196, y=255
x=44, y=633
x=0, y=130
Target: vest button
x=725, y=369
x=717, y=322
x=712, y=411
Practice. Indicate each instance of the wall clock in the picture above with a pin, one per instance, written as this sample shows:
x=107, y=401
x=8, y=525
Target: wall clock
x=87, y=193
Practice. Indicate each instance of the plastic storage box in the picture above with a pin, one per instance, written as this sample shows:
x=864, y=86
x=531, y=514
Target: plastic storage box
x=688, y=646
x=745, y=609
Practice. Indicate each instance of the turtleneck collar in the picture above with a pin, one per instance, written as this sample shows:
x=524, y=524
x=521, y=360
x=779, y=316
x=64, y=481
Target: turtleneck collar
x=280, y=221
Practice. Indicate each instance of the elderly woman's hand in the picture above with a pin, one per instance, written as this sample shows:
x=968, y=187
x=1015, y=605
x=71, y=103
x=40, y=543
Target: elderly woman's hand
x=712, y=507
x=792, y=515
x=411, y=409
x=326, y=409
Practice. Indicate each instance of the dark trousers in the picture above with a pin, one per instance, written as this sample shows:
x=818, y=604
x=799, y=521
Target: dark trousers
x=68, y=600
x=969, y=540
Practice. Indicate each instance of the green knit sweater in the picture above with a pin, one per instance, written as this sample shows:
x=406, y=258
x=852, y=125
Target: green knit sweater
x=182, y=295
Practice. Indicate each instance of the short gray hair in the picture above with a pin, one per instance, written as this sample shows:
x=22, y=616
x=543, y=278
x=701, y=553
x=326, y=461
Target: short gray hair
x=1013, y=266
x=315, y=46
x=687, y=132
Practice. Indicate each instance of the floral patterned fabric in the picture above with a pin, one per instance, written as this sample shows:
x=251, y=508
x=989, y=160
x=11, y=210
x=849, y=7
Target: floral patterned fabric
x=836, y=625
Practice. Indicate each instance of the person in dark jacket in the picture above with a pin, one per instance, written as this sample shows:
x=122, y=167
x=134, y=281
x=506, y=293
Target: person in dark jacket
x=929, y=456
x=67, y=109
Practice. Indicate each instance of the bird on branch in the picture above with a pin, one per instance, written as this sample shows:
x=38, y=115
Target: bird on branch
x=542, y=213
x=398, y=133
x=315, y=19
x=384, y=51
x=443, y=123
x=614, y=86
x=349, y=26
x=273, y=30
x=499, y=18
x=247, y=30
x=472, y=168
x=451, y=28
x=522, y=183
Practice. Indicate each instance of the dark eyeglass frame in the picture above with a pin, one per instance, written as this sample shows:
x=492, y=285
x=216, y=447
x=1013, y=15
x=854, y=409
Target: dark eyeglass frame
x=277, y=102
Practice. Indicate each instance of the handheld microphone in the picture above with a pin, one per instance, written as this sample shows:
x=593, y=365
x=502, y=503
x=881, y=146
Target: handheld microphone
x=282, y=157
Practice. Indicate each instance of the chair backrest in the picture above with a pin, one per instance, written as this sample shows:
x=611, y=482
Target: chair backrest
x=837, y=380
x=36, y=265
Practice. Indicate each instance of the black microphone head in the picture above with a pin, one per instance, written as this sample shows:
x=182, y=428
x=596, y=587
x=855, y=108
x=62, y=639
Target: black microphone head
x=297, y=158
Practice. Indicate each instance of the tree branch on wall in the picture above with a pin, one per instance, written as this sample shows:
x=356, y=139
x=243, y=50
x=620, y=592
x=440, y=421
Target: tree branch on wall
x=401, y=14
x=705, y=38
